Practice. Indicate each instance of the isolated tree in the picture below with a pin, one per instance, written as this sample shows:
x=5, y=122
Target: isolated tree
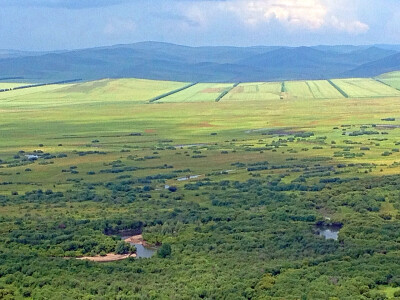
x=122, y=248
x=164, y=251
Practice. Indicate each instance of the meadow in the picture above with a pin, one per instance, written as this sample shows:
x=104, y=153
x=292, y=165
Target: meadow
x=317, y=89
x=238, y=189
x=198, y=93
x=255, y=91
x=356, y=87
x=392, y=79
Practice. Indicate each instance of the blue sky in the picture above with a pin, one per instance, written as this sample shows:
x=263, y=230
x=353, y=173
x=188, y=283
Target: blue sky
x=71, y=24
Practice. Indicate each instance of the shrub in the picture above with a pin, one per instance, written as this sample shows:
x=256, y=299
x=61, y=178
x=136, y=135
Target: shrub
x=164, y=251
x=173, y=189
x=122, y=248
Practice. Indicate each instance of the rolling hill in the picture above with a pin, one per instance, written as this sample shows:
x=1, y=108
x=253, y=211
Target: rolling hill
x=374, y=68
x=162, y=61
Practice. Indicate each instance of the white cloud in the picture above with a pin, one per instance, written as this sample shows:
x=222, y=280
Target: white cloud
x=196, y=16
x=353, y=27
x=294, y=14
x=298, y=13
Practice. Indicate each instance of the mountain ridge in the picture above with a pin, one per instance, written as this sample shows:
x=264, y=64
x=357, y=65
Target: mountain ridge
x=166, y=61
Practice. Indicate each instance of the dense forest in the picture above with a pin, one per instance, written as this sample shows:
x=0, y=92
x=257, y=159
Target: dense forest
x=256, y=239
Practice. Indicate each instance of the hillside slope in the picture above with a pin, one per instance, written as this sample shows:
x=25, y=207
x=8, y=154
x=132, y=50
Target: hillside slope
x=164, y=61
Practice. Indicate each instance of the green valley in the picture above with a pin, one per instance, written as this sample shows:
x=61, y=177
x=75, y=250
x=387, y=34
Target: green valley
x=242, y=197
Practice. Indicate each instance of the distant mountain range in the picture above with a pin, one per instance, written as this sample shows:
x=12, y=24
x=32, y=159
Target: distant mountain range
x=163, y=61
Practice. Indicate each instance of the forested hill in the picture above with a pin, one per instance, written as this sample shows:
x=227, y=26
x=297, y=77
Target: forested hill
x=164, y=61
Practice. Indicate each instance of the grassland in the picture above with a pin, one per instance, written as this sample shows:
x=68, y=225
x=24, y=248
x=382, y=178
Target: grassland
x=311, y=89
x=107, y=90
x=362, y=88
x=322, y=89
x=298, y=89
x=75, y=124
x=81, y=160
x=201, y=92
x=392, y=79
x=255, y=91
x=26, y=97
x=121, y=89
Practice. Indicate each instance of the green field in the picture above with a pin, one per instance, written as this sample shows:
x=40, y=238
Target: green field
x=109, y=90
x=392, y=79
x=298, y=89
x=82, y=163
x=201, y=92
x=121, y=89
x=362, y=88
x=322, y=89
x=255, y=91
x=31, y=96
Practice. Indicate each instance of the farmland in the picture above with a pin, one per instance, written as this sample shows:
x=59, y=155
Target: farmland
x=255, y=91
x=198, y=93
x=317, y=89
x=238, y=189
x=392, y=79
x=360, y=88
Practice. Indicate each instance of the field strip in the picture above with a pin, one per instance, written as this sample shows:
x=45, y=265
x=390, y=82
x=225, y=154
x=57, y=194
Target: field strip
x=322, y=89
x=339, y=89
x=224, y=93
x=173, y=92
x=254, y=91
x=380, y=81
x=365, y=88
x=311, y=91
x=39, y=85
x=283, y=88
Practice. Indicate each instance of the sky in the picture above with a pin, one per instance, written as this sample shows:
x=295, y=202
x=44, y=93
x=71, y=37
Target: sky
x=73, y=24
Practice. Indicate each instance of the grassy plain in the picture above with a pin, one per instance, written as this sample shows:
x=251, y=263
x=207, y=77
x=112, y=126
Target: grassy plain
x=201, y=92
x=362, y=87
x=255, y=91
x=268, y=170
x=299, y=89
x=101, y=91
x=322, y=89
x=392, y=79
x=39, y=118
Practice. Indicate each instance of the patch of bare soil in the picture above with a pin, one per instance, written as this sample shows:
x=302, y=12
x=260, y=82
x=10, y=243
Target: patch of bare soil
x=107, y=258
x=284, y=95
x=137, y=239
x=212, y=90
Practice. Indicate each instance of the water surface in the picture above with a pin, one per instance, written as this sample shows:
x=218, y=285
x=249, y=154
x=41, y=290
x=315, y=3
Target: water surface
x=144, y=252
x=329, y=231
x=141, y=250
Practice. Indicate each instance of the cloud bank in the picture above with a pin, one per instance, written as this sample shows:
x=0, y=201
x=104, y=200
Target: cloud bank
x=61, y=24
x=293, y=14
